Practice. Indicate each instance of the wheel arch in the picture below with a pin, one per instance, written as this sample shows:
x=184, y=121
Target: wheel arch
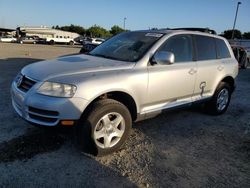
x=230, y=80
x=120, y=96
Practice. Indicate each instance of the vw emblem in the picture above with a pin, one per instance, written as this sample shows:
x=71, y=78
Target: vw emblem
x=19, y=81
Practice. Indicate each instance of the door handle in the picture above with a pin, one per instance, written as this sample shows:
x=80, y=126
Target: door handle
x=192, y=71
x=220, y=67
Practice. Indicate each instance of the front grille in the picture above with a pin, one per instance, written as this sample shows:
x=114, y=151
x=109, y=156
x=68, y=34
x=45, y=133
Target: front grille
x=26, y=84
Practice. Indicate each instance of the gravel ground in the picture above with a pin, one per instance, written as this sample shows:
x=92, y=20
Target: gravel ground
x=184, y=148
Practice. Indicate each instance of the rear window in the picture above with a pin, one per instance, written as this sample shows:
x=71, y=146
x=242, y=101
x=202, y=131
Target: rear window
x=222, y=49
x=206, y=49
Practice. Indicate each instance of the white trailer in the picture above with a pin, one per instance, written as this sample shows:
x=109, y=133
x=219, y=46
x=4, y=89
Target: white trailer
x=51, y=36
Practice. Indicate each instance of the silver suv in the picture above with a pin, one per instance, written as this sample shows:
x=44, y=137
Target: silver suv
x=130, y=77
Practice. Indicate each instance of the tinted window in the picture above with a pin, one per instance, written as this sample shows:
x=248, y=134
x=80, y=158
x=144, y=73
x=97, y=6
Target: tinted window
x=222, y=49
x=180, y=46
x=205, y=47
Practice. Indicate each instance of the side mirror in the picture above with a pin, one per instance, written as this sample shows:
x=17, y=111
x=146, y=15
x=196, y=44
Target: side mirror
x=163, y=58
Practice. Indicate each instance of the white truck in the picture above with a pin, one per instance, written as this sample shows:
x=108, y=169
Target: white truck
x=60, y=39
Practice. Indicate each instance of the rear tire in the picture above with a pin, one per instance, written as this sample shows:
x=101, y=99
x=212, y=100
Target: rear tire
x=220, y=100
x=71, y=43
x=104, y=128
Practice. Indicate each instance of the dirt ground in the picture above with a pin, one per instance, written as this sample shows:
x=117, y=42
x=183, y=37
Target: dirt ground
x=184, y=148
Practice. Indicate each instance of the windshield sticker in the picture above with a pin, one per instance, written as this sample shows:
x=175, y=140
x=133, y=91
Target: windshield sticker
x=158, y=35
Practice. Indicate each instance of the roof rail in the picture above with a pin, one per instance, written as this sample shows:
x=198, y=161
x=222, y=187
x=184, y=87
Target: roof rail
x=205, y=30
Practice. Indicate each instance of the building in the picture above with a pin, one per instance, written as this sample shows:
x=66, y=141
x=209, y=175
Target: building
x=5, y=32
x=45, y=32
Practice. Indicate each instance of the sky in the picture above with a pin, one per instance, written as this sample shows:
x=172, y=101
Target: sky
x=140, y=14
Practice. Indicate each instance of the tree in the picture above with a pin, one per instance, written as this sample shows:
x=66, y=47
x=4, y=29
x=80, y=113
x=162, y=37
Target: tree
x=97, y=31
x=72, y=28
x=246, y=35
x=228, y=34
x=116, y=30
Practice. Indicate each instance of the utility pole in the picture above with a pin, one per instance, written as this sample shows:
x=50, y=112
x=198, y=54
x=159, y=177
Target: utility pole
x=124, y=23
x=236, y=14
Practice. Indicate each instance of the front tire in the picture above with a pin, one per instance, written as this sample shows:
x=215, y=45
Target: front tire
x=104, y=129
x=220, y=100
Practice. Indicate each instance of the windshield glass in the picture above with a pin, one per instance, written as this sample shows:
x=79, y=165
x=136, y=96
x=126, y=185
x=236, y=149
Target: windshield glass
x=128, y=46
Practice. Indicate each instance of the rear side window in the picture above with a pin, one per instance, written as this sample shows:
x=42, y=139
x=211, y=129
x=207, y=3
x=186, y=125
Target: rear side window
x=181, y=46
x=222, y=49
x=206, y=49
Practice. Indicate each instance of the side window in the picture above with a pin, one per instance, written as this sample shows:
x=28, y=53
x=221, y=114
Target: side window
x=206, y=49
x=181, y=46
x=222, y=49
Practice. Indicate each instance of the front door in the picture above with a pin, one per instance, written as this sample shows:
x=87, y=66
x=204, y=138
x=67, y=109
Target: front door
x=172, y=85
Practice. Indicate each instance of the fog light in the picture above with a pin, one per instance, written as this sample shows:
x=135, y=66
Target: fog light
x=67, y=123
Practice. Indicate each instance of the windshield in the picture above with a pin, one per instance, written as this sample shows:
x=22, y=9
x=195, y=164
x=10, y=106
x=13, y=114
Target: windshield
x=128, y=46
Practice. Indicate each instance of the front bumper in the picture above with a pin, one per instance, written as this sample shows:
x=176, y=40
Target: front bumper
x=45, y=110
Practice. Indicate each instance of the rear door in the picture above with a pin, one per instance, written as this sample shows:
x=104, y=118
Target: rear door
x=208, y=65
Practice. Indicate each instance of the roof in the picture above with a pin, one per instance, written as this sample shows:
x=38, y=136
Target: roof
x=6, y=29
x=192, y=29
x=162, y=31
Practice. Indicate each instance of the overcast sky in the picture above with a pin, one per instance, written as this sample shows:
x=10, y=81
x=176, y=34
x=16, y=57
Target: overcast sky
x=140, y=14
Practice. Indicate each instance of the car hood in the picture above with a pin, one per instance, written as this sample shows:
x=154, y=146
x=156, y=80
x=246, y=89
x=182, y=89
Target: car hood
x=70, y=65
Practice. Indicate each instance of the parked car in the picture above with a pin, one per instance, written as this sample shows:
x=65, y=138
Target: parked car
x=86, y=48
x=28, y=40
x=241, y=55
x=132, y=76
x=248, y=53
x=95, y=41
x=81, y=39
x=41, y=41
x=7, y=39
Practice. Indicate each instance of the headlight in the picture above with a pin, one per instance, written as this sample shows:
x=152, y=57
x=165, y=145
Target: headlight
x=57, y=89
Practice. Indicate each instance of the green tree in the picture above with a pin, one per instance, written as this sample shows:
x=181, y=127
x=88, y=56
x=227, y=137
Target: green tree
x=116, y=30
x=228, y=34
x=246, y=35
x=74, y=28
x=97, y=31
